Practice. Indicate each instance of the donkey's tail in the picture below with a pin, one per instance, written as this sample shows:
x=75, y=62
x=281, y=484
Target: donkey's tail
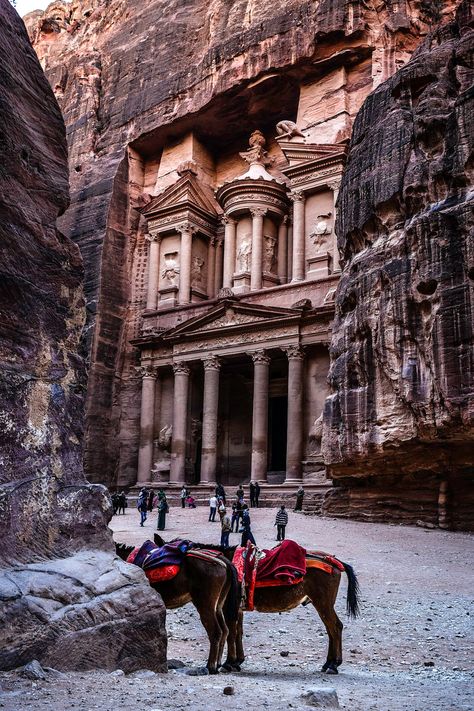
x=232, y=603
x=353, y=592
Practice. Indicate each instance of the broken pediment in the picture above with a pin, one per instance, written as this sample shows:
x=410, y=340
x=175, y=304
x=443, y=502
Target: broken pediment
x=187, y=193
x=297, y=153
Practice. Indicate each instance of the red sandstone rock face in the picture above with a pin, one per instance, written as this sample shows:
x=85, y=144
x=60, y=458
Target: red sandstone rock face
x=132, y=73
x=402, y=363
x=56, y=552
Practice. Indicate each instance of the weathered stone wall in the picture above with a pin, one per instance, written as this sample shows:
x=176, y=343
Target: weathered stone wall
x=398, y=428
x=134, y=73
x=63, y=593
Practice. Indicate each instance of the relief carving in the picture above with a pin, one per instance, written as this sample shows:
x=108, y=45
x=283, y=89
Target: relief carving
x=288, y=129
x=244, y=254
x=171, y=271
x=320, y=230
x=197, y=271
x=269, y=253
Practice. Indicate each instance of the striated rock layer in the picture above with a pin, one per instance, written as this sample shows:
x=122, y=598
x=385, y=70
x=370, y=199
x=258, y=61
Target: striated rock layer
x=62, y=590
x=398, y=428
x=131, y=76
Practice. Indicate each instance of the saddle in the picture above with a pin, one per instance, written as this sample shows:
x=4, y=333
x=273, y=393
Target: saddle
x=160, y=563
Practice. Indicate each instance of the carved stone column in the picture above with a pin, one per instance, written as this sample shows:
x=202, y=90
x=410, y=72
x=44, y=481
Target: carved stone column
x=153, y=271
x=211, y=267
x=147, y=420
x=260, y=417
x=298, y=261
x=219, y=265
x=282, y=255
x=180, y=420
x=209, y=423
x=256, y=270
x=229, y=251
x=334, y=186
x=185, y=254
x=294, y=440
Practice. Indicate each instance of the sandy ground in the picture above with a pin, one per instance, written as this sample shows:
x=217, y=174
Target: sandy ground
x=411, y=650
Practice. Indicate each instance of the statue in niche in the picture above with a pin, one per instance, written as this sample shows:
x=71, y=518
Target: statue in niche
x=161, y=466
x=288, y=129
x=244, y=254
x=171, y=271
x=269, y=254
x=196, y=271
x=321, y=229
x=316, y=434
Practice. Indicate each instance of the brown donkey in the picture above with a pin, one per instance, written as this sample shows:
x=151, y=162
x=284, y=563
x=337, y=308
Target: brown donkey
x=210, y=583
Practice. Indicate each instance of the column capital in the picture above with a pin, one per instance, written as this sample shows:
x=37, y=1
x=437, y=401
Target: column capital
x=285, y=220
x=294, y=352
x=258, y=211
x=211, y=362
x=227, y=220
x=147, y=371
x=334, y=184
x=186, y=227
x=260, y=357
x=153, y=237
x=297, y=196
x=181, y=368
x=213, y=240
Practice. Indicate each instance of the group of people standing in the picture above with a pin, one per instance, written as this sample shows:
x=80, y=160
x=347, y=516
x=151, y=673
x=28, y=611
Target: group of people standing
x=146, y=502
x=240, y=513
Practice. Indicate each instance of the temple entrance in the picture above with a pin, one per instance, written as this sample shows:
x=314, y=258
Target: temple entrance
x=277, y=428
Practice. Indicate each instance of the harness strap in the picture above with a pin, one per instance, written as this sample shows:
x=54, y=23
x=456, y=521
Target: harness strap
x=210, y=556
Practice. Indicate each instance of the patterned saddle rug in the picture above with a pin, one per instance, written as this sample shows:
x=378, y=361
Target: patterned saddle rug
x=160, y=563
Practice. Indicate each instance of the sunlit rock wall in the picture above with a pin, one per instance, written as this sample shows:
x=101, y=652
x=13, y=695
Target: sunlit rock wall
x=398, y=428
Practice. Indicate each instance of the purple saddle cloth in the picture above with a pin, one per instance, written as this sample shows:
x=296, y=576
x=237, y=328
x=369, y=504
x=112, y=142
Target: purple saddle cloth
x=151, y=556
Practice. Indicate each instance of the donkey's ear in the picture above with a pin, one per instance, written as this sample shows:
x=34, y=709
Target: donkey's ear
x=158, y=540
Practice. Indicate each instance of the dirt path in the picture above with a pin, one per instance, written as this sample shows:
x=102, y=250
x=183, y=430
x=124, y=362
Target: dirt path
x=410, y=651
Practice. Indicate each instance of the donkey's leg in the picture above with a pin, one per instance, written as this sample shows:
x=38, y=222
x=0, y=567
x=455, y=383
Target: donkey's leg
x=224, y=634
x=322, y=592
x=239, y=642
x=210, y=622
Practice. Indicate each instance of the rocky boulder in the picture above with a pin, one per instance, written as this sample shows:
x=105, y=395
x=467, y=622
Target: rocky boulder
x=402, y=362
x=60, y=583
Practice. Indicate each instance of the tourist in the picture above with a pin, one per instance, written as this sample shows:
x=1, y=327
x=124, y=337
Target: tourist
x=247, y=534
x=299, y=499
x=240, y=492
x=142, y=505
x=161, y=494
x=115, y=503
x=281, y=522
x=257, y=493
x=184, y=494
x=212, y=508
x=252, y=494
x=151, y=498
x=220, y=492
x=163, y=509
x=122, y=502
x=225, y=529
x=221, y=509
x=236, y=511
x=190, y=501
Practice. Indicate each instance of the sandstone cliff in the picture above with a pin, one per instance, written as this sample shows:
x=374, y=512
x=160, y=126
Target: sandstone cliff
x=401, y=416
x=62, y=591
x=131, y=75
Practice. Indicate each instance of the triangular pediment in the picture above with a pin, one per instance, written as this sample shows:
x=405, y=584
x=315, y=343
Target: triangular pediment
x=229, y=316
x=187, y=192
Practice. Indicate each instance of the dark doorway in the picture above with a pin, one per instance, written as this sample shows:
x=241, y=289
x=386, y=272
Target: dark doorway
x=277, y=422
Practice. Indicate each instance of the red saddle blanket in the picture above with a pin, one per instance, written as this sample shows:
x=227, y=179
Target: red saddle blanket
x=285, y=564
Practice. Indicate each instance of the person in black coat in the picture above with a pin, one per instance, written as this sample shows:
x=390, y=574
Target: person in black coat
x=252, y=494
x=247, y=534
x=257, y=493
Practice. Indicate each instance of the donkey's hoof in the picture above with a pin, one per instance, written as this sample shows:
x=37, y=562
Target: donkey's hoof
x=332, y=670
x=227, y=666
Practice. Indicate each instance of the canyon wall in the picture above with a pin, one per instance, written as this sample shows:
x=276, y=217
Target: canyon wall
x=63, y=593
x=131, y=77
x=398, y=429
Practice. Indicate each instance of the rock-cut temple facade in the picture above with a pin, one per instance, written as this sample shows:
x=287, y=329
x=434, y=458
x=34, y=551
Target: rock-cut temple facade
x=240, y=275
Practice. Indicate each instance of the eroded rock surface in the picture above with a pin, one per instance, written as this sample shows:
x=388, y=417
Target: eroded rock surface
x=62, y=591
x=130, y=76
x=402, y=351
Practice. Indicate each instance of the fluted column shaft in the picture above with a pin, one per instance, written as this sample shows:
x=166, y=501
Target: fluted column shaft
x=260, y=417
x=294, y=446
x=282, y=250
x=184, y=296
x=147, y=421
x=153, y=272
x=209, y=423
x=211, y=267
x=229, y=251
x=256, y=269
x=180, y=420
x=219, y=266
x=298, y=271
